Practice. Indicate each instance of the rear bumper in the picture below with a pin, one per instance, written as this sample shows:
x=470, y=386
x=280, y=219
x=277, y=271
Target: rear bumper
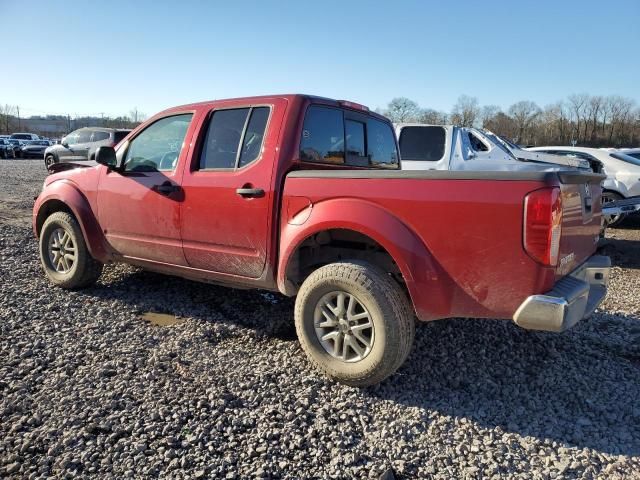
x=573, y=298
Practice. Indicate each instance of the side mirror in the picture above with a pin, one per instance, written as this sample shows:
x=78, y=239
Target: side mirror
x=64, y=144
x=106, y=156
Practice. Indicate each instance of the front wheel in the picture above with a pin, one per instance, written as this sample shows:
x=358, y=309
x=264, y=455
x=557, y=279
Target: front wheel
x=49, y=160
x=354, y=322
x=64, y=254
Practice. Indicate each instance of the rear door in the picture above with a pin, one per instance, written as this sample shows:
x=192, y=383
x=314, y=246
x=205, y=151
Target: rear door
x=228, y=190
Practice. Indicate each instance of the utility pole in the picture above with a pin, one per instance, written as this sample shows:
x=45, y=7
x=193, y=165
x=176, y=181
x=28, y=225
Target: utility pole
x=19, y=123
x=102, y=118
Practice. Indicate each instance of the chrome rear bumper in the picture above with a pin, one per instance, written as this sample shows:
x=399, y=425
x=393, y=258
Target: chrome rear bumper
x=573, y=298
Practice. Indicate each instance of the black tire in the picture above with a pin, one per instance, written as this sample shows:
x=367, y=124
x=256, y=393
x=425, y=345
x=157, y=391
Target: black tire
x=84, y=270
x=389, y=310
x=49, y=160
x=612, y=220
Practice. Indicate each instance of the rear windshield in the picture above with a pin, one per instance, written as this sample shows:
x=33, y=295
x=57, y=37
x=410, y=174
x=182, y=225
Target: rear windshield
x=422, y=144
x=625, y=158
x=362, y=141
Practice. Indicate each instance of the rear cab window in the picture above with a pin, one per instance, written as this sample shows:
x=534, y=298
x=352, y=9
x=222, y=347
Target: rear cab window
x=422, y=144
x=337, y=136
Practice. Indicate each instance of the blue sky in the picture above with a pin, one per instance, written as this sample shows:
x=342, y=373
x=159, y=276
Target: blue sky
x=85, y=57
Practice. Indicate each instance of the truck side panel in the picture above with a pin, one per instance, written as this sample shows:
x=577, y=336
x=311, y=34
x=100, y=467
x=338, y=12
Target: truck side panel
x=470, y=230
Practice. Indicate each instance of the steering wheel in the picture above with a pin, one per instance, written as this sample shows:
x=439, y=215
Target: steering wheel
x=168, y=161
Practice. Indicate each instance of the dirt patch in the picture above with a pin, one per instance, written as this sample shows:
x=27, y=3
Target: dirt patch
x=161, y=319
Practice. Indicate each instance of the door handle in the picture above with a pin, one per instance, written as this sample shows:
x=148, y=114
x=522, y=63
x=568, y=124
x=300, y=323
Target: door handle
x=166, y=188
x=250, y=192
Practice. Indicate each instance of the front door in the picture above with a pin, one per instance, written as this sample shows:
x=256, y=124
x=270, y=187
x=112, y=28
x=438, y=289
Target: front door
x=228, y=194
x=139, y=205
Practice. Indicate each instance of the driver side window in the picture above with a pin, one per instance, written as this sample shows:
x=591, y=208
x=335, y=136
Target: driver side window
x=157, y=148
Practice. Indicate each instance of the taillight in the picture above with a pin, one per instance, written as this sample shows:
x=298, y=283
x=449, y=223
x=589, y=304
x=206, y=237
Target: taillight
x=543, y=225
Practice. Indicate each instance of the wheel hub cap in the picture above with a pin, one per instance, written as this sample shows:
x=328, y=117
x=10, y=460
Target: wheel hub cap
x=343, y=326
x=61, y=250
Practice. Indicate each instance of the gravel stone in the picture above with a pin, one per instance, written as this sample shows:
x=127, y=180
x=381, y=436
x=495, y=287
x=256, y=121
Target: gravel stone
x=90, y=389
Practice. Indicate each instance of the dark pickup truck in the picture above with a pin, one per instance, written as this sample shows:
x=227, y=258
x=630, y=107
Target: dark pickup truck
x=304, y=195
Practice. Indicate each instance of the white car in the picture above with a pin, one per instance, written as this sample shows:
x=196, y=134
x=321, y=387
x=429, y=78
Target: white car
x=623, y=171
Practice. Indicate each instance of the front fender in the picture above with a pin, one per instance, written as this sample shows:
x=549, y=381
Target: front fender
x=426, y=281
x=67, y=193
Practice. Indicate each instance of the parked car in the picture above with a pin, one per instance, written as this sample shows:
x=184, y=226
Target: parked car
x=632, y=152
x=34, y=149
x=17, y=146
x=6, y=149
x=305, y=196
x=25, y=136
x=623, y=173
x=81, y=144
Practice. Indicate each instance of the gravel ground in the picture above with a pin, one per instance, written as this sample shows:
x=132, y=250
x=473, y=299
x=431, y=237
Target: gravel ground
x=89, y=388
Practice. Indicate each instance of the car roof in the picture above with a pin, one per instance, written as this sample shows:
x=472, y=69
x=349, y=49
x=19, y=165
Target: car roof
x=103, y=129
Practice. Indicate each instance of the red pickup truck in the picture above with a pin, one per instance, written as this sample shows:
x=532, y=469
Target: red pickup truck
x=304, y=195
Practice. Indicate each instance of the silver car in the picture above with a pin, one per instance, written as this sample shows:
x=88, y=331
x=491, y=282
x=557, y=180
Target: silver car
x=81, y=144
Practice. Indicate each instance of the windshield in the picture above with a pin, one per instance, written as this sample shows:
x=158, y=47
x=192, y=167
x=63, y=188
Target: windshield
x=501, y=143
x=625, y=158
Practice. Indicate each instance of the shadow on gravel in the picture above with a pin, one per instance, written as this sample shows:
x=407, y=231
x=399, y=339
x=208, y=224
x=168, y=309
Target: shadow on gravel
x=623, y=253
x=579, y=388
x=266, y=313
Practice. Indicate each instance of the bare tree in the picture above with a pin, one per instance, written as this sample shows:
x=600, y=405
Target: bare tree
x=593, y=111
x=7, y=114
x=523, y=113
x=577, y=104
x=402, y=109
x=487, y=113
x=466, y=111
x=433, y=117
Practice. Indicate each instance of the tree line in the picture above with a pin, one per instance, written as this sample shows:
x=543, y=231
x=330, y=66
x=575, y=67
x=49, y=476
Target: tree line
x=586, y=120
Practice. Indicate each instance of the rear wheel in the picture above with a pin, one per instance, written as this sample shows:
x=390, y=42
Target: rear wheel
x=354, y=322
x=612, y=220
x=64, y=255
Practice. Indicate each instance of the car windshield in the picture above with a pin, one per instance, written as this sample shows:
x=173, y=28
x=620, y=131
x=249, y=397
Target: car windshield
x=503, y=144
x=625, y=158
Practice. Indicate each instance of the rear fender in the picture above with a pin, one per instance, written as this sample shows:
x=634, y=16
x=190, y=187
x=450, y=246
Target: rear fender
x=67, y=193
x=423, y=276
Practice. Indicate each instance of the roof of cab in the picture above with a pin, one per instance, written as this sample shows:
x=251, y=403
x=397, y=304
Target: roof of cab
x=266, y=98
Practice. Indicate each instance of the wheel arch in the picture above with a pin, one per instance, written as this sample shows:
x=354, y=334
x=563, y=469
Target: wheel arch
x=383, y=238
x=62, y=196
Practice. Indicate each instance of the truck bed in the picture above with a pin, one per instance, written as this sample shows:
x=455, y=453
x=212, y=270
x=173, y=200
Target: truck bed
x=469, y=225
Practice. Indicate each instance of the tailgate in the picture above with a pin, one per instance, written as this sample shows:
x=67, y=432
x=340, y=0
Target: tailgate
x=581, y=219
